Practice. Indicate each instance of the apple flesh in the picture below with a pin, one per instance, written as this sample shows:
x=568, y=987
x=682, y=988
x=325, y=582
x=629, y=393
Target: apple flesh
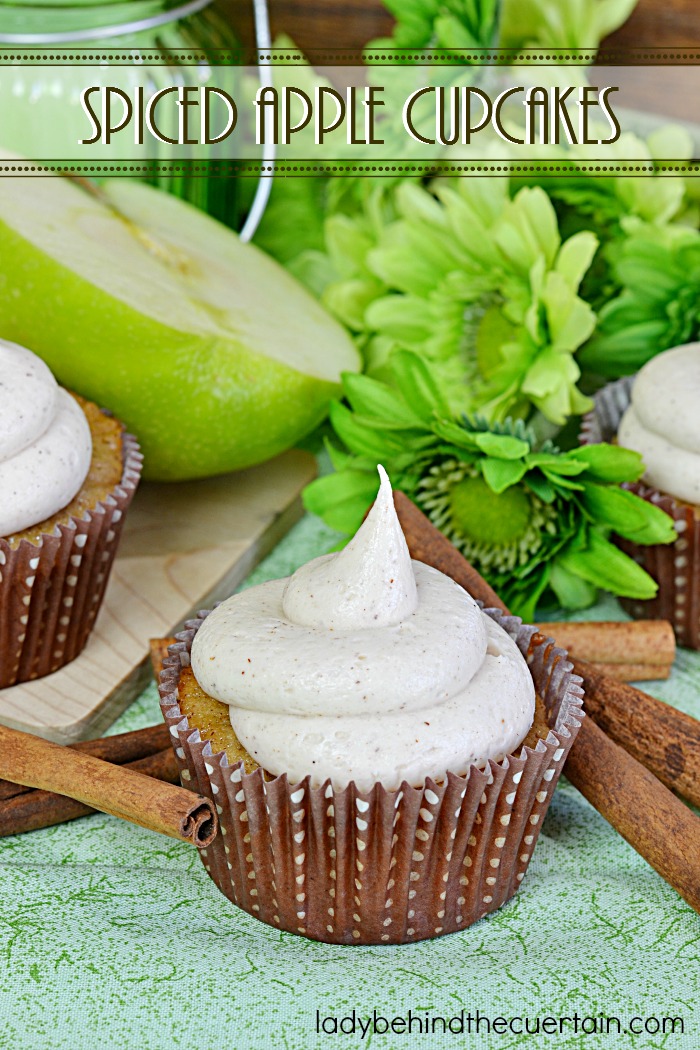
x=210, y=352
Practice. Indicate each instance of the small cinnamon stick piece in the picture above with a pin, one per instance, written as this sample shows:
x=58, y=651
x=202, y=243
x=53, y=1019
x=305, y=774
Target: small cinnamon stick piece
x=629, y=651
x=649, y=816
x=120, y=749
x=122, y=792
x=629, y=672
x=43, y=809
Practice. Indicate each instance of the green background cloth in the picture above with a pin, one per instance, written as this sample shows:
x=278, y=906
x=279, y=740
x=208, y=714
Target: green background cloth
x=114, y=936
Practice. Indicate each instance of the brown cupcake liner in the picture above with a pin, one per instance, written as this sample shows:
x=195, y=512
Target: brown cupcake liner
x=674, y=566
x=51, y=592
x=379, y=867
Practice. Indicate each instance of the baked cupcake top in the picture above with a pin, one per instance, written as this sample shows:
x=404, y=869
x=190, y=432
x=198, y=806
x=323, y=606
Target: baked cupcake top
x=365, y=666
x=45, y=442
x=662, y=422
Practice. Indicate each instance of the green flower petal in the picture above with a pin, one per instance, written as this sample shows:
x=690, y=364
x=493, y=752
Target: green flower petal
x=403, y=318
x=604, y=565
x=502, y=446
x=360, y=438
x=575, y=256
x=369, y=398
x=529, y=230
x=404, y=269
x=569, y=319
x=418, y=386
x=610, y=462
x=572, y=591
x=350, y=299
x=628, y=515
x=501, y=474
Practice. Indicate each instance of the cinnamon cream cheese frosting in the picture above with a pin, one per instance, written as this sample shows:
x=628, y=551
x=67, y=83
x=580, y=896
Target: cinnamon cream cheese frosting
x=662, y=422
x=365, y=666
x=45, y=442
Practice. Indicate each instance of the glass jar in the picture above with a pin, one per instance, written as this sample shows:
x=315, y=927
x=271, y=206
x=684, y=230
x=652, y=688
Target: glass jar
x=45, y=106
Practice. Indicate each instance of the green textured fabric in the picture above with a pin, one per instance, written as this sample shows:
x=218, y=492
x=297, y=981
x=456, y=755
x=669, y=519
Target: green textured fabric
x=114, y=936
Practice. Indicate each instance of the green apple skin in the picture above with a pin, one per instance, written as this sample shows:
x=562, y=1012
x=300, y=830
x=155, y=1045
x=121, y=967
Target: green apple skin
x=199, y=405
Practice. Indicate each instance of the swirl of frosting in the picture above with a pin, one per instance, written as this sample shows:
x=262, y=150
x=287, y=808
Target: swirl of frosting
x=45, y=441
x=663, y=423
x=365, y=666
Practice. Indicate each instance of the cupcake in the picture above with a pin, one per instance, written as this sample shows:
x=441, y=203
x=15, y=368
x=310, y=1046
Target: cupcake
x=67, y=475
x=381, y=751
x=656, y=414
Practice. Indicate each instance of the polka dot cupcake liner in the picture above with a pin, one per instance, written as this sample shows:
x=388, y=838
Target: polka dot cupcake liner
x=51, y=592
x=379, y=867
x=674, y=566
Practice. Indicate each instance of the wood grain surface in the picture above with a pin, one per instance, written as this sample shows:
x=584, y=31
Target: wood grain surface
x=332, y=24
x=660, y=23
x=184, y=546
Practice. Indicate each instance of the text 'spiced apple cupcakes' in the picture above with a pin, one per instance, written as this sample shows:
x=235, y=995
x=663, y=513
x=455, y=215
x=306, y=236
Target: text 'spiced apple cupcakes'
x=67, y=475
x=657, y=413
x=381, y=751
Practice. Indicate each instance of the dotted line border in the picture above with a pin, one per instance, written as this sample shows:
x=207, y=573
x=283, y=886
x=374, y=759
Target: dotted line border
x=229, y=169
x=276, y=56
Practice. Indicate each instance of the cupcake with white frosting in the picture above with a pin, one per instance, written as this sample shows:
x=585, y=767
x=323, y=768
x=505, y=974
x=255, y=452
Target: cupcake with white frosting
x=367, y=733
x=657, y=413
x=67, y=474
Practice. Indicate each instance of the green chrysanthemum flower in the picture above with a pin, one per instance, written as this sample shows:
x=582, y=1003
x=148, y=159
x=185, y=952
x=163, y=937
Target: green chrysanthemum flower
x=615, y=205
x=561, y=23
x=527, y=517
x=659, y=306
x=523, y=23
x=500, y=532
x=479, y=285
x=440, y=24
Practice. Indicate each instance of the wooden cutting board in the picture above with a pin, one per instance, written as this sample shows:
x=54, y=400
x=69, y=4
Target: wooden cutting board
x=184, y=546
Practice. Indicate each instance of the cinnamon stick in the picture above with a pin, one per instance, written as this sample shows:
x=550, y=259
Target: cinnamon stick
x=122, y=792
x=631, y=651
x=662, y=738
x=649, y=816
x=43, y=809
x=630, y=672
x=122, y=748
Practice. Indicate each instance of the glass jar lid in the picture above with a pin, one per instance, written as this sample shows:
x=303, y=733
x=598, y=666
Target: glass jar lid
x=87, y=21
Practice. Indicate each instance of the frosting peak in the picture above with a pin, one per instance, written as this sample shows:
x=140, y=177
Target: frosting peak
x=365, y=666
x=368, y=584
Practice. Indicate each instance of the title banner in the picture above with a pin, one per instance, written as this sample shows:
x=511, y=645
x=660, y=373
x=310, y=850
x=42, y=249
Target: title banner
x=534, y=109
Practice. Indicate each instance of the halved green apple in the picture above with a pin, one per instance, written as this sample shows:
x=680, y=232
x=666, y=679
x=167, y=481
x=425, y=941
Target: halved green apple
x=210, y=352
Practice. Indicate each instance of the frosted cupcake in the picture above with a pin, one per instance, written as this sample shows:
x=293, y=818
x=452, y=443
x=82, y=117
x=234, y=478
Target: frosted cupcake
x=67, y=474
x=657, y=413
x=367, y=733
